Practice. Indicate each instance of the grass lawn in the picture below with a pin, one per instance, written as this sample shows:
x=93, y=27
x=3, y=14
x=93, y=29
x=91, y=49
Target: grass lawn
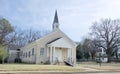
x=104, y=66
x=35, y=67
x=82, y=67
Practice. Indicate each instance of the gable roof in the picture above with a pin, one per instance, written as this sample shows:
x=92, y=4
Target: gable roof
x=69, y=38
x=54, y=40
x=53, y=33
x=62, y=42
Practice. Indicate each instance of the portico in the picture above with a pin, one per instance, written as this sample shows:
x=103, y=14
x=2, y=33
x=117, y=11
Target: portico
x=59, y=51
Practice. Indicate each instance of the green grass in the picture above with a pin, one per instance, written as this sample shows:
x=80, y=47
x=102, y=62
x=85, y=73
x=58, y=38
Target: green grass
x=33, y=67
x=82, y=67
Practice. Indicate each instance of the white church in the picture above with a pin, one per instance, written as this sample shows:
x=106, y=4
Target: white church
x=56, y=47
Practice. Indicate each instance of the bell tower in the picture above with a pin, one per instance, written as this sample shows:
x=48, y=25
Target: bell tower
x=55, y=25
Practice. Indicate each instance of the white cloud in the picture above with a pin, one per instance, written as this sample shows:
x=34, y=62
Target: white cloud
x=75, y=16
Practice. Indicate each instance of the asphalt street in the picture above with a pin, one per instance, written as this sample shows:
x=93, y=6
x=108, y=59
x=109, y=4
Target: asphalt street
x=98, y=73
x=60, y=73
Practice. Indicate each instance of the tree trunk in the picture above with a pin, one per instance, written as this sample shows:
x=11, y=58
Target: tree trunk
x=109, y=58
x=108, y=55
x=92, y=57
x=116, y=57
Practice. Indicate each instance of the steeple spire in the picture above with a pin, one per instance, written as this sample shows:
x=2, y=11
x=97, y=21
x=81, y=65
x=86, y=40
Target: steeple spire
x=55, y=22
x=55, y=18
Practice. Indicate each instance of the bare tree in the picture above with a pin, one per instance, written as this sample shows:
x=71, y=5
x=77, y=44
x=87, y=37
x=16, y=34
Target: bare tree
x=85, y=47
x=22, y=37
x=92, y=48
x=89, y=47
x=107, y=35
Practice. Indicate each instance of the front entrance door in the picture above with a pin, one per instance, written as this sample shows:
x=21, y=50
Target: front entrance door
x=59, y=54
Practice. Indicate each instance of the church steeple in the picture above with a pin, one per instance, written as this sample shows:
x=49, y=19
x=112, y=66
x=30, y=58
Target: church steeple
x=55, y=22
x=55, y=18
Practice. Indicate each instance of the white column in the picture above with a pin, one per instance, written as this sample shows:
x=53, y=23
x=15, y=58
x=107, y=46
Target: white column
x=50, y=54
x=35, y=55
x=68, y=53
x=71, y=54
x=53, y=54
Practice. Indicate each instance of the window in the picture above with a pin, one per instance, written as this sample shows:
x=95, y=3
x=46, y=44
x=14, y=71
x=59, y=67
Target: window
x=33, y=51
x=42, y=51
x=23, y=55
x=29, y=54
x=26, y=54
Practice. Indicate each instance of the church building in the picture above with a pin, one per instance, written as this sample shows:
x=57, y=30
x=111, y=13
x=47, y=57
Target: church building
x=56, y=47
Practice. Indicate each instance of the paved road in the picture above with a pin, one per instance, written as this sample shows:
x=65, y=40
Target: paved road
x=86, y=73
x=80, y=73
x=90, y=73
x=75, y=73
x=98, y=73
x=57, y=73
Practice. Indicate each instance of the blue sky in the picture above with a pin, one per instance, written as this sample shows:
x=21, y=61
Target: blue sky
x=75, y=16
